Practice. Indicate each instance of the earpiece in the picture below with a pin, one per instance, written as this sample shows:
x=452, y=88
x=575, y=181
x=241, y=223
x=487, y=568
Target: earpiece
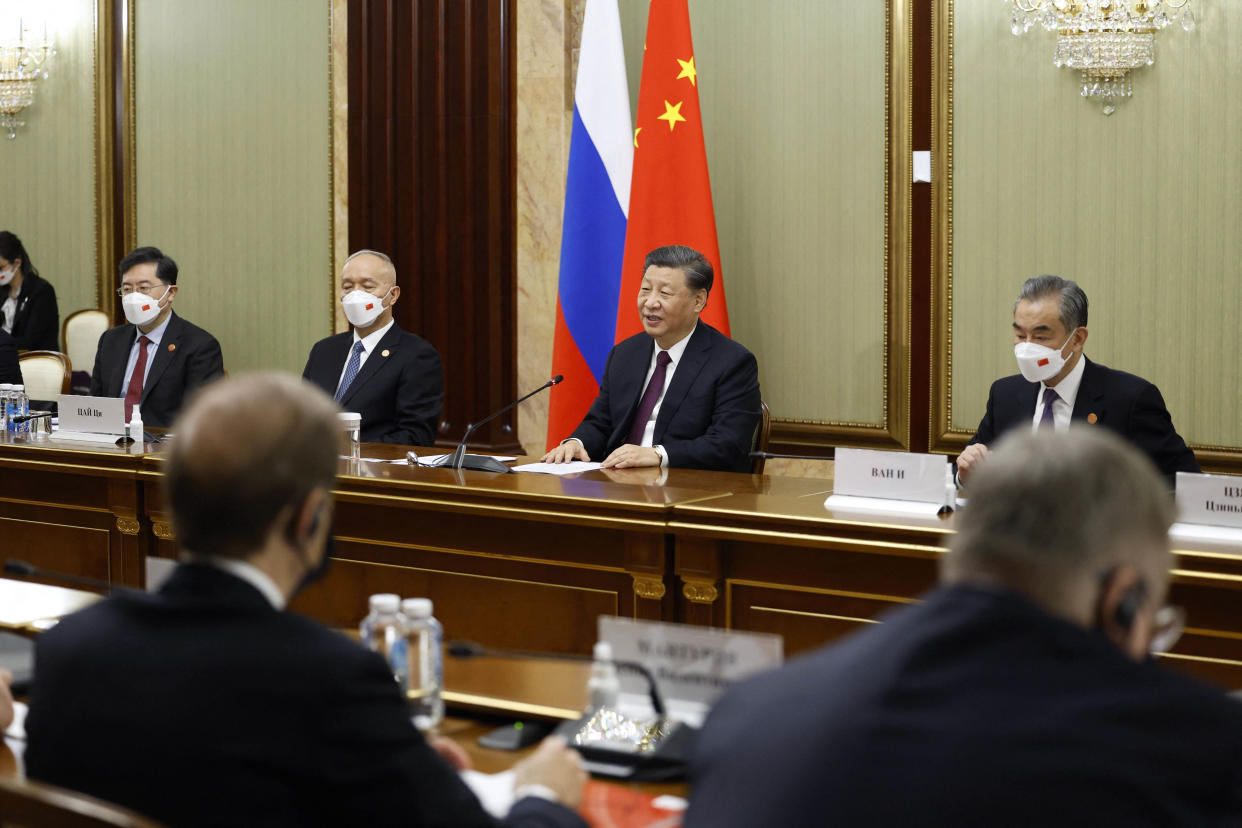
x=1128, y=606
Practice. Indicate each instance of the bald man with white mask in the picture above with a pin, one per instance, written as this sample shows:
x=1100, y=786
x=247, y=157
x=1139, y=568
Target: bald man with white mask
x=389, y=376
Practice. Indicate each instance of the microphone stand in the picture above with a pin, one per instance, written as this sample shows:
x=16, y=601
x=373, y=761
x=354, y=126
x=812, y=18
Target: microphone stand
x=480, y=462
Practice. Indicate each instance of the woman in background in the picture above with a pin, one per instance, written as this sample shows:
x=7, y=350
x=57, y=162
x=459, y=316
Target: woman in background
x=28, y=310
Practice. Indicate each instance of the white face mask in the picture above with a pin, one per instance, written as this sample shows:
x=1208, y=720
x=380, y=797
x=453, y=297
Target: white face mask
x=362, y=308
x=1039, y=363
x=140, y=308
x=6, y=276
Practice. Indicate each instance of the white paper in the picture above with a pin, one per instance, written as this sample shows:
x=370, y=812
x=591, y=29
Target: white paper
x=572, y=467
x=494, y=790
x=879, y=504
x=1205, y=532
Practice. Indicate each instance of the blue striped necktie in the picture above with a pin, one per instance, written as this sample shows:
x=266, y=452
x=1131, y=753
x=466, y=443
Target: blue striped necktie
x=351, y=370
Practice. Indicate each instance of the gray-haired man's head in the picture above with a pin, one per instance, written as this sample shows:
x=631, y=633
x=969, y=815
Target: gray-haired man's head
x=1073, y=521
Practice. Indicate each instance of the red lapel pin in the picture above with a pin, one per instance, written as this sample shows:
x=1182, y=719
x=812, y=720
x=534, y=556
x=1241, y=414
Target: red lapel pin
x=173, y=347
x=1092, y=419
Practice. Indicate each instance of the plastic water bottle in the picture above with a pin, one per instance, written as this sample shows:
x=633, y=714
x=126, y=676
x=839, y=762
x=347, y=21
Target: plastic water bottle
x=383, y=630
x=603, y=687
x=21, y=407
x=6, y=413
x=425, y=674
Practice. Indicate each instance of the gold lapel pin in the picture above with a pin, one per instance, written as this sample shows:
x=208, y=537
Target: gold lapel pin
x=384, y=352
x=172, y=348
x=1092, y=419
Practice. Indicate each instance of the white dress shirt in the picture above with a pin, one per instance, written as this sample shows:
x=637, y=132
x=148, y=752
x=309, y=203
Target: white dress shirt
x=154, y=345
x=9, y=310
x=1067, y=392
x=249, y=573
x=368, y=345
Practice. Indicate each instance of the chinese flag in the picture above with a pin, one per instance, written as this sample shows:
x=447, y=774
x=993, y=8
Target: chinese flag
x=670, y=194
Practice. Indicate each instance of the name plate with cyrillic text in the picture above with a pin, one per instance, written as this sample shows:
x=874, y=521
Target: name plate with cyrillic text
x=691, y=665
x=1214, y=499
x=891, y=475
x=103, y=416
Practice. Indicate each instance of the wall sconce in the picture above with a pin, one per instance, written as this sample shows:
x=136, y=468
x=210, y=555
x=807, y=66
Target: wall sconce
x=1103, y=39
x=22, y=63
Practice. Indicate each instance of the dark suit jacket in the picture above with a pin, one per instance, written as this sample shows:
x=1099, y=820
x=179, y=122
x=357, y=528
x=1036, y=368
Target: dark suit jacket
x=1129, y=405
x=36, y=324
x=10, y=370
x=399, y=395
x=710, y=410
x=193, y=360
x=203, y=705
x=974, y=708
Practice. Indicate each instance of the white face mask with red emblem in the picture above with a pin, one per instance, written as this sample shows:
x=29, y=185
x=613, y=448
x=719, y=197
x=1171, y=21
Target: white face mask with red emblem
x=140, y=308
x=1039, y=363
x=362, y=308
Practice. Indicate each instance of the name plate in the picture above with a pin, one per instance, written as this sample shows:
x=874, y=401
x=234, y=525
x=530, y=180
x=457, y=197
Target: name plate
x=1214, y=499
x=92, y=415
x=892, y=475
x=692, y=665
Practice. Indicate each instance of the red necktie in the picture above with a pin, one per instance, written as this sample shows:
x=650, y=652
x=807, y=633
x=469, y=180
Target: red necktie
x=134, y=393
x=655, y=388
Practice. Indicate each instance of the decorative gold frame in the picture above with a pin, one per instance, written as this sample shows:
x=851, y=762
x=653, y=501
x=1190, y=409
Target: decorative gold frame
x=107, y=129
x=894, y=429
x=943, y=436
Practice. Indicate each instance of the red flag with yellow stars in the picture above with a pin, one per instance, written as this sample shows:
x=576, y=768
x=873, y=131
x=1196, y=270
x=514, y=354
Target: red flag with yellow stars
x=670, y=193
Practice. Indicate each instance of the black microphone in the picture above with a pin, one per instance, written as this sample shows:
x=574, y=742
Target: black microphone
x=25, y=569
x=771, y=455
x=478, y=462
x=469, y=649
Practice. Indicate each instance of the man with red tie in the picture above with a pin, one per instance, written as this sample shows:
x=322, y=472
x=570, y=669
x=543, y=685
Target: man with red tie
x=681, y=394
x=157, y=359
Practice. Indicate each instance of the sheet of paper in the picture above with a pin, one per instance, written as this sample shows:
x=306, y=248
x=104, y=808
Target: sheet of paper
x=572, y=467
x=876, y=504
x=494, y=790
x=1204, y=532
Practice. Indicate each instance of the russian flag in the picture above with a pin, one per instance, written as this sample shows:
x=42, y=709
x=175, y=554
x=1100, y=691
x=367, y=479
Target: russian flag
x=597, y=199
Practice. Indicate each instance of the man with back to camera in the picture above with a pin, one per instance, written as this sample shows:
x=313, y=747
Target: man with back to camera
x=389, y=376
x=1058, y=385
x=1019, y=692
x=208, y=703
x=681, y=394
x=157, y=359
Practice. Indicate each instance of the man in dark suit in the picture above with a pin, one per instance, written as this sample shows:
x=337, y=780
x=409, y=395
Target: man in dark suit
x=1059, y=385
x=159, y=358
x=209, y=704
x=1018, y=693
x=390, y=377
x=681, y=394
x=10, y=370
x=28, y=309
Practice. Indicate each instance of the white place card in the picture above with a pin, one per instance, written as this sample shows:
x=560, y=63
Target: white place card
x=1212, y=499
x=90, y=419
x=692, y=665
x=891, y=475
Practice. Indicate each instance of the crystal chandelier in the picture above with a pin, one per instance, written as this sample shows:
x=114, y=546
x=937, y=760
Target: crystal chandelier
x=1103, y=39
x=22, y=62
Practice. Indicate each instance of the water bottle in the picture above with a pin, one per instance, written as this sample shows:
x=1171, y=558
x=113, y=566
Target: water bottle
x=383, y=630
x=425, y=674
x=135, y=424
x=6, y=391
x=603, y=686
x=21, y=407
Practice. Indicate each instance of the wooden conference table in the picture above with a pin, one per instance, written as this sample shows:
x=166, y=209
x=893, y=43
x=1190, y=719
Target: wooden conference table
x=531, y=561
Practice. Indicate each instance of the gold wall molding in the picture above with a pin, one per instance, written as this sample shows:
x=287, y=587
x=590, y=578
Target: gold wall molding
x=1044, y=178
x=127, y=525
x=163, y=531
